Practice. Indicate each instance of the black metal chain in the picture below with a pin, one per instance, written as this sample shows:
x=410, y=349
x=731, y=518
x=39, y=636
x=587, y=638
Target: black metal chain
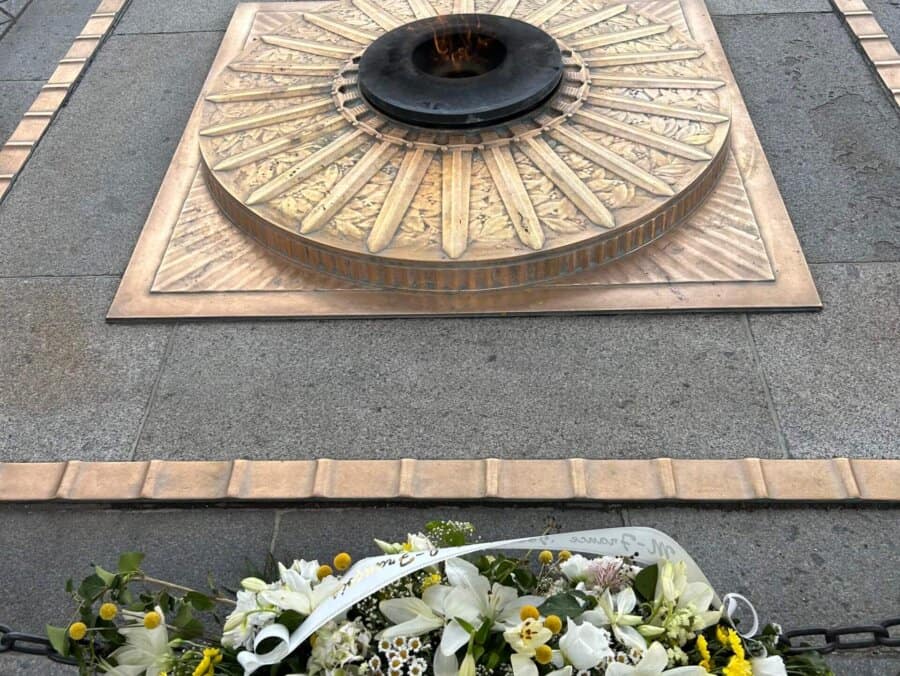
x=30, y=644
x=867, y=636
x=828, y=640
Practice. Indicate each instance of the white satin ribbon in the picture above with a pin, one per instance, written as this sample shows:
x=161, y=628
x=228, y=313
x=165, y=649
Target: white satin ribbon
x=730, y=603
x=645, y=545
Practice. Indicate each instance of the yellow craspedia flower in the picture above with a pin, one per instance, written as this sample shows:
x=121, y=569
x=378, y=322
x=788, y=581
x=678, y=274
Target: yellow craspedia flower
x=545, y=557
x=529, y=613
x=324, y=571
x=553, y=623
x=77, y=631
x=152, y=620
x=543, y=654
x=703, y=649
x=207, y=666
x=108, y=611
x=737, y=666
x=342, y=561
x=564, y=555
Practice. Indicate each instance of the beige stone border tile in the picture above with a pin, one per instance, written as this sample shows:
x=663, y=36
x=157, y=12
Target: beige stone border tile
x=579, y=480
x=14, y=153
x=874, y=43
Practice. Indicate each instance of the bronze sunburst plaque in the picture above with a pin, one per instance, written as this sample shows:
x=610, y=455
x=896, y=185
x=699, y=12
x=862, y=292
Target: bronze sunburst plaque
x=636, y=183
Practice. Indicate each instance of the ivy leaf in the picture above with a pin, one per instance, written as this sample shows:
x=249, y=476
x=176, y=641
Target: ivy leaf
x=201, y=602
x=563, y=605
x=91, y=587
x=645, y=582
x=129, y=562
x=107, y=577
x=59, y=639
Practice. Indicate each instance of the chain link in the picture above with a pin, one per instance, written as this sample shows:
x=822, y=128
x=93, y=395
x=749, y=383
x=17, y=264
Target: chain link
x=30, y=644
x=829, y=640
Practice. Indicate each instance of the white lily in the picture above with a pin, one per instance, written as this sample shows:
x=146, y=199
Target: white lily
x=298, y=592
x=415, y=542
x=653, y=663
x=677, y=594
x=768, y=666
x=525, y=639
x=584, y=646
x=615, y=611
x=411, y=616
x=146, y=651
x=247, y=618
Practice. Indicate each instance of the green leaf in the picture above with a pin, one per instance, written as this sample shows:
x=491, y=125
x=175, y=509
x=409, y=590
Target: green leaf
x=59, y=639
x=483, y=631
x=107, y=577
x=564, y=605
x=645, y=582
x=201, y=602
x=91, y=587
x=130, y=562
x=291, y=619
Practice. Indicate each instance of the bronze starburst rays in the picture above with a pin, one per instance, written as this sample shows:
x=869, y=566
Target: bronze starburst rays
x=631, y=142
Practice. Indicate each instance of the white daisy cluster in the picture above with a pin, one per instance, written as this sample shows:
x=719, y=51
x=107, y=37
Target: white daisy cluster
x=400, y=656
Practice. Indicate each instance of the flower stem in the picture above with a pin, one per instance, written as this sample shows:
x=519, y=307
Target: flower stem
x=178, y=587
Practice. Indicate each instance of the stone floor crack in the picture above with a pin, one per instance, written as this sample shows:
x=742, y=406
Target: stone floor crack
x=764, y=381
x=170, y=342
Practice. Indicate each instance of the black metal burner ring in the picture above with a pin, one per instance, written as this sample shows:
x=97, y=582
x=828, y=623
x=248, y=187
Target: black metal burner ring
x=460, y=71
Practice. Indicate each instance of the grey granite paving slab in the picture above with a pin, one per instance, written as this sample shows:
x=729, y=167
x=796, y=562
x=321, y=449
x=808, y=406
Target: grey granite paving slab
x=888, y=14
x=31, y=48
x=835, y=376
x=176, y=16
x=71, y=387
x=81, y=201
x=15, y=98
x=726, y=7
x=40, y=549
x=862, y=666
x=801, y=567
x=525, y=387
x=28, y=665
x=322, y=533
x=828, y=130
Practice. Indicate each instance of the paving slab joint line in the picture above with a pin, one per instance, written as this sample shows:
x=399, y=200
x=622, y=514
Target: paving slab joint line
x=874, y=43
x=676, y=480
x=56, y=91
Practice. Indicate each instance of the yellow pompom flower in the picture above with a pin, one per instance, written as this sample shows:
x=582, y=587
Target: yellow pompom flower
x=342, y=561
x=737, y=666
x=546, y=557
x=108, y=611
x=77, y=631
x=529, y=613
x=734, y=642
x=703, y=649
x=324, y=571
x=722, y=635
x=543, y=654
x=207, y=666
x=431, y=580
x=564, y=555
x=152, y=620
x=553, y=623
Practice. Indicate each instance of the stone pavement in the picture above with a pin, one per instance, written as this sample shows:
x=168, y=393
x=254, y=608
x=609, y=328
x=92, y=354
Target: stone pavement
x=703, y=386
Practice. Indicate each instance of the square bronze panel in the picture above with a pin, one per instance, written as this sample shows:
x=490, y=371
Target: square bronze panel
x=737, y=251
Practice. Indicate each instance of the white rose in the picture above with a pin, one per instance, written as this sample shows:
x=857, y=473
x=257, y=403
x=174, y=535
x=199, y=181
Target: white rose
x=575, y=568
x=584, y=645
x=768, y=666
